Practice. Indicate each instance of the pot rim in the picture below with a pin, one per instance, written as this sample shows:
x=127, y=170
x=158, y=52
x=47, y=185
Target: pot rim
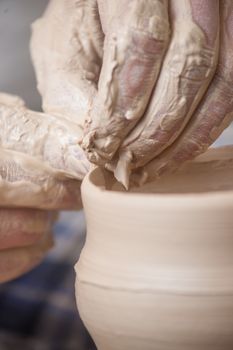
x=202, y=200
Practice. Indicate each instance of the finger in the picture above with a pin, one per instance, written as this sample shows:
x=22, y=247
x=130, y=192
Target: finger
x=51, y=139
x=27, y=182
x=23, y=227
x=213, y=115
x=66, y=48
x=186, y=73
x=135, y=43
x=15, y=262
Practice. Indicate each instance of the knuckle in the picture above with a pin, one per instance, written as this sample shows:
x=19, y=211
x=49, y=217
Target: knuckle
x=195, y=67
x=224, y=74
x=189, y=60
x=153, y=27
x=145, y=26
x=150, y=18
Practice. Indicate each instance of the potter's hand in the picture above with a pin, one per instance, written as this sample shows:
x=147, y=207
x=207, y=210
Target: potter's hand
x=156, y=70
x=41, y=167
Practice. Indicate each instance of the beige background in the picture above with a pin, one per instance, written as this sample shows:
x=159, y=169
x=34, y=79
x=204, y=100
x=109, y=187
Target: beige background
x=16, y=72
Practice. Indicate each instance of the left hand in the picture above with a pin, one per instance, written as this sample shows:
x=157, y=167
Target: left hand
x=41, y=168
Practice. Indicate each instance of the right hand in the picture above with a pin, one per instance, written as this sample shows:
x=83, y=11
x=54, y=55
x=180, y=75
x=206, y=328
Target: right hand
x=25, y=238
x=41, y=168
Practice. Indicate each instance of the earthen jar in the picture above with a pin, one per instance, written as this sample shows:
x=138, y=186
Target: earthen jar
x=156, y=272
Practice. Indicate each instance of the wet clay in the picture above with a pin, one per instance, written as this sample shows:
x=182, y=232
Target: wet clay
x=156, y=270
x=126, y=84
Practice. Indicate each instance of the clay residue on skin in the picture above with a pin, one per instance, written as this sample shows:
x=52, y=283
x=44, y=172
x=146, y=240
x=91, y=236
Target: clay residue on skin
x=213, y=114
x=28, y=182
x=190, y=64
x=202, y=15
x=41, y=163
x=187, y=70
x=46, y=137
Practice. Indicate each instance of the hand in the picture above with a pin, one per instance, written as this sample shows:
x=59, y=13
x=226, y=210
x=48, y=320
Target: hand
x=67, y=49
x=41, y=167
x=164, y=83
x=151, y=83
x=174, y=102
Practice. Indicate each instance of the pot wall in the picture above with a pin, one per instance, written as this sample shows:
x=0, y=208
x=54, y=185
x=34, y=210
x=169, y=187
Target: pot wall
x=156, y=272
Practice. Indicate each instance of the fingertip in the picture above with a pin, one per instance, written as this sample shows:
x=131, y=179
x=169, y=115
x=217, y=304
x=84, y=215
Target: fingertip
x=123, y=168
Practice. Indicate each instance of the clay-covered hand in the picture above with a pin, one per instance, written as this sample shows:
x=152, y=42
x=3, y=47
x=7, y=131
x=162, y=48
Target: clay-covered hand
x=25, y=238
x=159, y=92
x=155, y=88
x=41, y=168
x=215, y=110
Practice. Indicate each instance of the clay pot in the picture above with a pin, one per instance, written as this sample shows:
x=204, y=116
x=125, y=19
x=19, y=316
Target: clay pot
x=156, y=272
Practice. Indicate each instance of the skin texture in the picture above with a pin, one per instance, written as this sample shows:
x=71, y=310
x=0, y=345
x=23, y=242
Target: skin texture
x=41, y=161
